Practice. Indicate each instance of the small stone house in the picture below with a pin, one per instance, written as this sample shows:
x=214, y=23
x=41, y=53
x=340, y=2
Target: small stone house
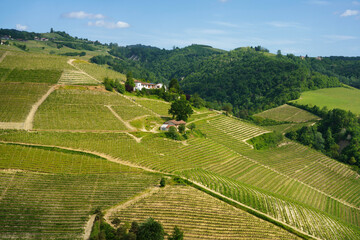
x=168, y=124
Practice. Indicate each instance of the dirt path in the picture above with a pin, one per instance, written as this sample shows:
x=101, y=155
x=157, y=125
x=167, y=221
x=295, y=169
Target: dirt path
x=120, y=119
x=138, y=140
x=89, y=226
x=70, y=61
x=3, y=56
x=147, y=193
x=28, y=124
x=11, y=125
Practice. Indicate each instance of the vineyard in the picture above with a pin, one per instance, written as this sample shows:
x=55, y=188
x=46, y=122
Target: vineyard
x=200, y=216
x=93, y=148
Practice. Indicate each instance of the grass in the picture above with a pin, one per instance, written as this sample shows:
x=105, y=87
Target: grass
x=346, y=98
x=200, y=216
x=16, y=99
x=288, y=113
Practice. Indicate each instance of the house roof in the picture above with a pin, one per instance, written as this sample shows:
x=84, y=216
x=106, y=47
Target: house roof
x=175, y=122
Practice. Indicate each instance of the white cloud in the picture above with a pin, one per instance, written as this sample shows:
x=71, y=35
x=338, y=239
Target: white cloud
x=349, y=13
x=224, y=24
x=21, y=27
x=339, y=37
x=110, y=25
x=319, y=2
x=279, y=24
x=83, y=15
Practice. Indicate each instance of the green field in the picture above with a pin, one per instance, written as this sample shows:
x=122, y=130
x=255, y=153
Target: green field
x=346, y=98
x=16, y=99
x=287, y=113
x=199, y=216
x=99, y=72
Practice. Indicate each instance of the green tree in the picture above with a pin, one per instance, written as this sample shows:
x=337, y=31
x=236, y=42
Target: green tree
x=192, y=126
x=129, y=84
x=162, y=182
x=180, y=110
x=174, y=85
x=108, y=83
x=182, y=128
x=150, y=230
x=197, y=101
x=177, y=234
x=51, y=30
x=173, y=133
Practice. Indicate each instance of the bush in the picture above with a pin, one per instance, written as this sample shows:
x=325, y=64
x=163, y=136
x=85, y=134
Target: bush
x=182, y=128
x=173, y=133
x=267, y=140
x=162, y=182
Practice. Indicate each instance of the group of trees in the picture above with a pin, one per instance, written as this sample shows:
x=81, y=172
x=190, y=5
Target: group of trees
x=111, y=84
x=148, y=230
x=336, y=135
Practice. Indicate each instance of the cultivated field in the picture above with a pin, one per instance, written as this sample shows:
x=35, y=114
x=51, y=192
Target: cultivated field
x=16, y=99
x=200, y=216
x=49, y=194
x=288, y=113
x=99, y=72
x=345, y=98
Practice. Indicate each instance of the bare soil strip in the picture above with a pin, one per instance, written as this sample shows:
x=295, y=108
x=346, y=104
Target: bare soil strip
x=88, y=227
x=138, y=140
x=70, y=61
x=120, y=119
x=28, y=124
x=12, y=125
x=3, y=56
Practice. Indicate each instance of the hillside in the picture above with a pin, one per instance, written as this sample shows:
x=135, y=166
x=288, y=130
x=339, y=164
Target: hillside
x=71, y=147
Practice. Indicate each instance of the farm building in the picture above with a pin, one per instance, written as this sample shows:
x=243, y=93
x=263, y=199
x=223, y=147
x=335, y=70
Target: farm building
x=168, y=124
x=140, y=85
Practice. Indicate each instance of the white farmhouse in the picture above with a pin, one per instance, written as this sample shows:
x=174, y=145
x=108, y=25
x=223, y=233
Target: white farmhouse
x=140, y=85
x=168, y=124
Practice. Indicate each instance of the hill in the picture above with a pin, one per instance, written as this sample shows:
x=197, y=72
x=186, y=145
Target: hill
x=86, y=148
x=344, y=98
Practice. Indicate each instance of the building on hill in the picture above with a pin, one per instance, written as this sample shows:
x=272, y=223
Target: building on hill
x=168, y=124
x=140, y=85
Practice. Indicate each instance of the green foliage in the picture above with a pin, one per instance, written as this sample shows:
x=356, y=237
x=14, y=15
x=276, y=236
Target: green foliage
x=173, y=133
x=162, y=182
x=38, y=76
x=192, y=126
x=266, y=141
x=129, y=84
x=181, y=110
x=150, y=230
x=21, y=46
x=182, y=128
x=174, y=85
x=336, y=128
x=177, y=234
x=108, y=83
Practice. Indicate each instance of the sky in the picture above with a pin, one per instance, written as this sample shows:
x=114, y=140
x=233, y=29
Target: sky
x=300, y=27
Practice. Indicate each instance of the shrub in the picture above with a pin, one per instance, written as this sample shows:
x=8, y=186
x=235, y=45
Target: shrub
x=150, y=230
x=173, y=133
x=162, y=182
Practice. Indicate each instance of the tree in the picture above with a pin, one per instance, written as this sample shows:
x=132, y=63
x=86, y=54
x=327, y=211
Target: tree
x=182, y=128
x=174, y=85
x=129, y=84
x=192, y=126
x=279, y=53
x=116, y=221
x=181, y=110
x=150, y=230
x=162, y=182
x=51, y=30
x=177, y=234
x=173, y=133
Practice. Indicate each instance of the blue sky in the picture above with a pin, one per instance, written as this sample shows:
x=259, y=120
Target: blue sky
x=313, y=27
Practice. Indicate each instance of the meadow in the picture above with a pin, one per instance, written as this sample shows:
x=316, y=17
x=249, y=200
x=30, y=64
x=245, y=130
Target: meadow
x=346, y=98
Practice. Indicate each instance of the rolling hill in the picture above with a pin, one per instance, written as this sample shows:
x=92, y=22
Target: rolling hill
x=87, y=148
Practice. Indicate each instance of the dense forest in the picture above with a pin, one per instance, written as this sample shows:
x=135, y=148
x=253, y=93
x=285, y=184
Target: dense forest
x=336, y=135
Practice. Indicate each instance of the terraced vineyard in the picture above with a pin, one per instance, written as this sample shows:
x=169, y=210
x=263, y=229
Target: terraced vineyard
x=75, y=77
x=16, y=99
x=288, y=113
x=81, y=109
x=56, y=200
x=199, y=216
x=98, y=72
